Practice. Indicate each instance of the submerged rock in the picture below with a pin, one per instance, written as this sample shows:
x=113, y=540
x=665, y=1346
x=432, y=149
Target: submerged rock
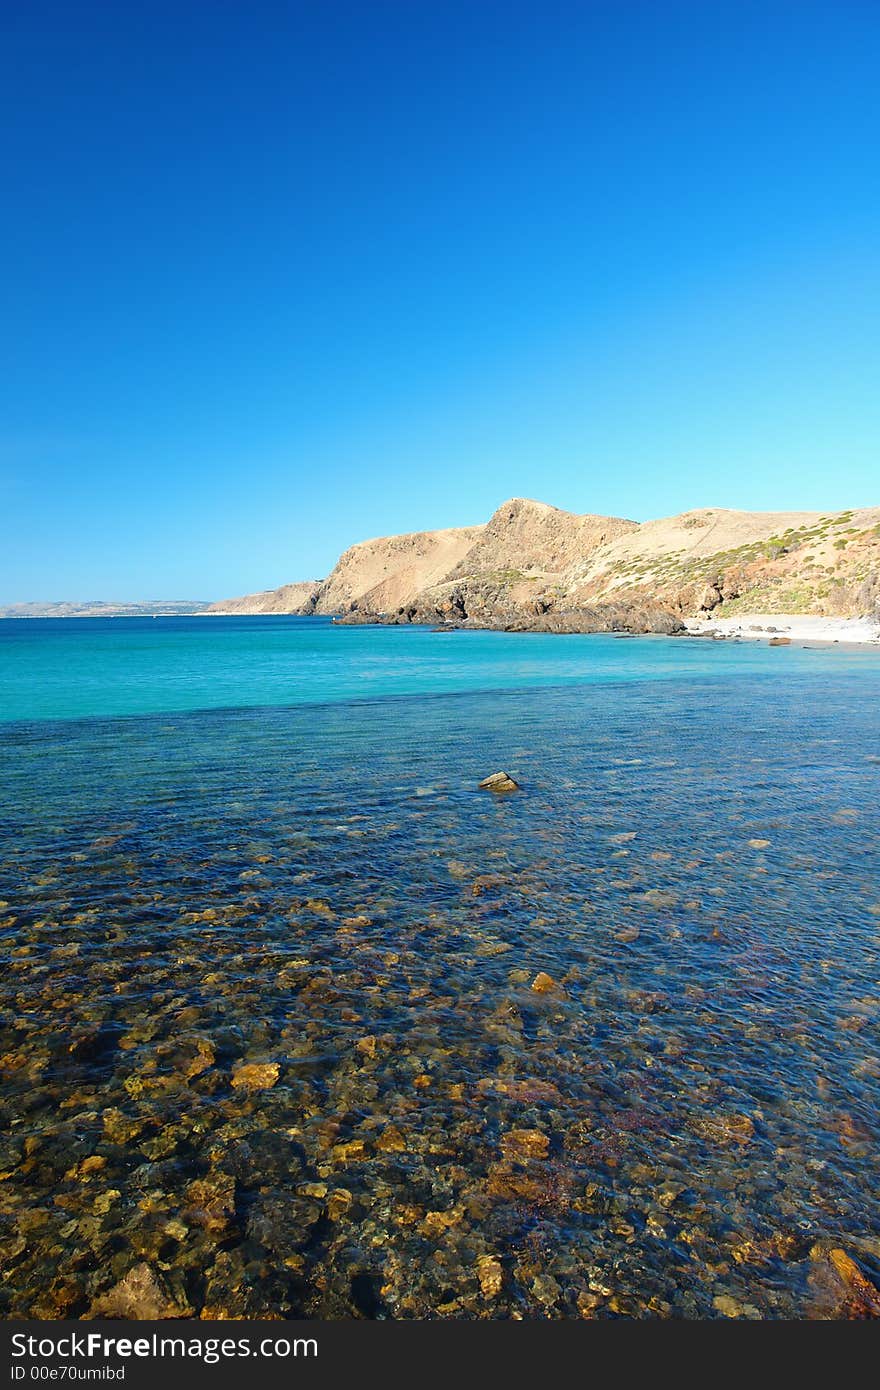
x=865, y=1293
x=140, y=1295
x=210, y=1201
x=520, y=1145
x=255, y=1076
x=490, y=1275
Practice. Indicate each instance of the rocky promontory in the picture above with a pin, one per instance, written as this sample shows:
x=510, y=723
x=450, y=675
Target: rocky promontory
x=533, y=567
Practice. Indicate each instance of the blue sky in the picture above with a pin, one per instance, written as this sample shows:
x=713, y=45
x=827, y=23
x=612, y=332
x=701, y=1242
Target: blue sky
x=278, y=277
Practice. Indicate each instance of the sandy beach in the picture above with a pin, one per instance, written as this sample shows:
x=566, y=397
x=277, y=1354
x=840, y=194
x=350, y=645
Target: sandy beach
x=799, y=627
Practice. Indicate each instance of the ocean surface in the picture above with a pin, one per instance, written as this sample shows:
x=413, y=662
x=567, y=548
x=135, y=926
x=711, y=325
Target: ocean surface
x=297, y=1016
x=69, y=668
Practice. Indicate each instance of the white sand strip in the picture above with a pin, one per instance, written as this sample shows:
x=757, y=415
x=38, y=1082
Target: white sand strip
x=800, y=627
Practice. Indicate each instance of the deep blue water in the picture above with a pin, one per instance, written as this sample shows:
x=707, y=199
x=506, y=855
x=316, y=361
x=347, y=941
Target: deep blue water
x=682, y=1124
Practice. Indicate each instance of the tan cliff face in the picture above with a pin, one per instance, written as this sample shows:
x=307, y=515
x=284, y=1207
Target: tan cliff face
x=385, y=573
x=534, y=564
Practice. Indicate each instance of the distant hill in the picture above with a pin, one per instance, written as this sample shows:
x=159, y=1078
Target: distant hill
x=289, y=598
x=534, y=566
x=167, y=608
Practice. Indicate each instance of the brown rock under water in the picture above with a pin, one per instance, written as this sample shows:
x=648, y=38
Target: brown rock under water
x=255, y=1076
x=520, y=1145
x=866, y=1294
x=140, y=1295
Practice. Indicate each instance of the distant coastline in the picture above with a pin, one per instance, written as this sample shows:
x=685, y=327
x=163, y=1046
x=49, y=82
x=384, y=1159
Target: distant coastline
x=157, y=608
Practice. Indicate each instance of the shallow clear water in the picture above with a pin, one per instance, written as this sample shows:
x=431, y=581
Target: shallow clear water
x=682, y=1124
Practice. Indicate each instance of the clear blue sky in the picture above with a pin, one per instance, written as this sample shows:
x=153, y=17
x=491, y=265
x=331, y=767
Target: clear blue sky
x=278, y=277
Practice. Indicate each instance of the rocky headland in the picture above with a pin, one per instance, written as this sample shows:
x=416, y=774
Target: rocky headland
x=532, y=567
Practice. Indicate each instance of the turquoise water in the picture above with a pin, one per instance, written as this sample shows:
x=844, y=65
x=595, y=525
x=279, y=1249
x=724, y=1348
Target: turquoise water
x=269, y=1021
x=56, y=669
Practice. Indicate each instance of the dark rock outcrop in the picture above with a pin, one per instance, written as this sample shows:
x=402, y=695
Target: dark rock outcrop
x=482, y=604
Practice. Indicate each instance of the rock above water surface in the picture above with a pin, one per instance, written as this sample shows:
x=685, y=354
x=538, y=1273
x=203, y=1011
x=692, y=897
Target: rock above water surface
x=544, y=983
x=499, y=782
